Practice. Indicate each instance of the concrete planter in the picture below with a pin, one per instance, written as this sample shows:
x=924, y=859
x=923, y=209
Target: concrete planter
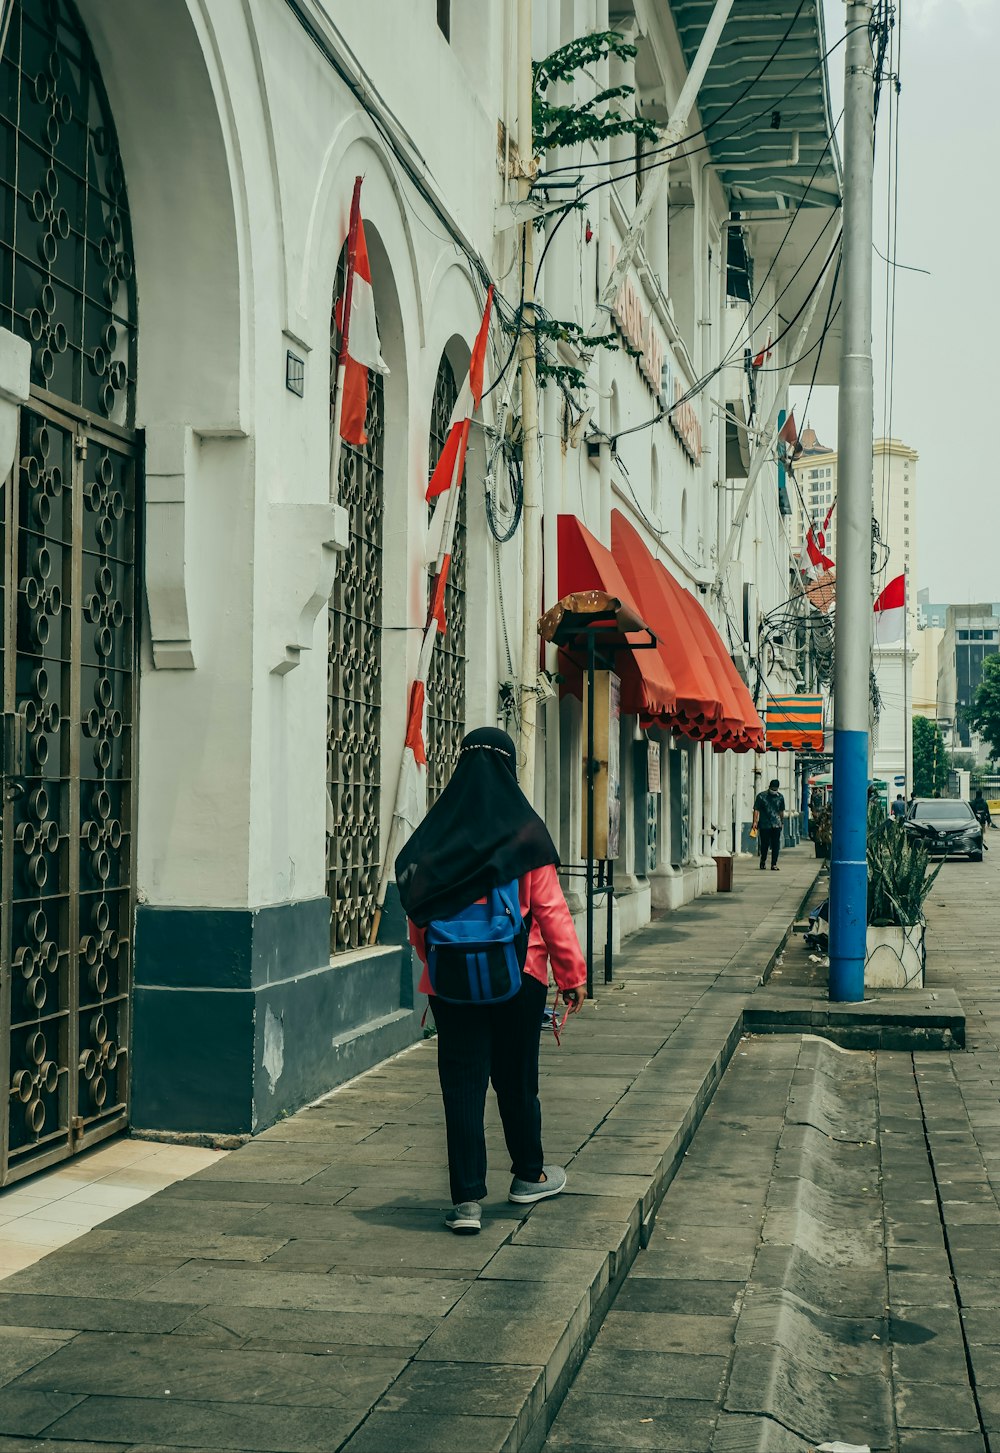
x=895, y=956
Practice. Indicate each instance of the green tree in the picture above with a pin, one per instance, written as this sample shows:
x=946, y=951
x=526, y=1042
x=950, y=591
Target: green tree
x=984, y=714
x=930, y=759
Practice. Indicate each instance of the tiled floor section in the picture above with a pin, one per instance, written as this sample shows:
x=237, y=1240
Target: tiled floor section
x=53, y=1208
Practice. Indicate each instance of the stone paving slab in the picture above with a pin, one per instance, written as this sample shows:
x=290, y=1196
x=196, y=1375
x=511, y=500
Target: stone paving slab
x=303, y=1294
x=778, y=1295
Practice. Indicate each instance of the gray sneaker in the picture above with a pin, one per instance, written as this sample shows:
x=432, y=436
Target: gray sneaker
x=524, y=1193
x=465, y=1219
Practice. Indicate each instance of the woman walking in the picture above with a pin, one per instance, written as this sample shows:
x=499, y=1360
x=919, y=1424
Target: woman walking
x=481, y=854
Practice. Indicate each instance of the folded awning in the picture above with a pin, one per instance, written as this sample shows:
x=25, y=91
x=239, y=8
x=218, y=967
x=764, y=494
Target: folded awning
x=585, y=565
x=794, y=723
x=712, y=702
x=679, y=645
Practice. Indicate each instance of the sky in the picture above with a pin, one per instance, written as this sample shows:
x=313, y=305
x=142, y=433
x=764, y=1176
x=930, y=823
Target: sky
x=946, y=380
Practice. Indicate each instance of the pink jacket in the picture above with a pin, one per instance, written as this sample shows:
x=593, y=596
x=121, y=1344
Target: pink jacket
x=552, y=938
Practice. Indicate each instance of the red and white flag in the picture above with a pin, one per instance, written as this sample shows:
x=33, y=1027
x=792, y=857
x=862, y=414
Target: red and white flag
x=890, y=613
x=360, y=347
x=815, y=558
x=765, y=353
x=412, y=793
x=448, y=469
x=789, y=434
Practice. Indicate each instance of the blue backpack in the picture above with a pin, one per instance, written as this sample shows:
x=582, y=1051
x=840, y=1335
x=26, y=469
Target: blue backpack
x=476, y=955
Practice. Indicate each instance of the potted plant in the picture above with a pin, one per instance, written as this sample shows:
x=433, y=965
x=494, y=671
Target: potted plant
x=899, y=880
x=822, y=834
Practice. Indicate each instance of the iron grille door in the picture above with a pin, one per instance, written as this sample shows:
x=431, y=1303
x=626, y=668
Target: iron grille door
x=446, y=678
x=68, y=817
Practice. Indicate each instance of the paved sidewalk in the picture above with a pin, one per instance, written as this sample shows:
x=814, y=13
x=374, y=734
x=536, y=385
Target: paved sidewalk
x=826, y=1265
x=301, y=1294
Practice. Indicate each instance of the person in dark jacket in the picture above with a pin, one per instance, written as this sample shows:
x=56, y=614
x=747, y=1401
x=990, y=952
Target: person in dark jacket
x=982, y=809
x=768, y=822
x=483, y=833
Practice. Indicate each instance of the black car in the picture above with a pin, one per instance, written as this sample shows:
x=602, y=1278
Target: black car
x=948, y=827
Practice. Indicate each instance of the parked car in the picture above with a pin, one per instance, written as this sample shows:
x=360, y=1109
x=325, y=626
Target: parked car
x=947, y=826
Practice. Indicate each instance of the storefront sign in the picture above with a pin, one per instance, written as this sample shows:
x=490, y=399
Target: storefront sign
x=683, y=420
x=659, y=374
x=653, y=768
x=637, y=326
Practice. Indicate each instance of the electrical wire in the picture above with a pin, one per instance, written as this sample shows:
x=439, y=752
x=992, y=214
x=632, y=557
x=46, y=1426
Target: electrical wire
x=774, y=104
x=703, y=382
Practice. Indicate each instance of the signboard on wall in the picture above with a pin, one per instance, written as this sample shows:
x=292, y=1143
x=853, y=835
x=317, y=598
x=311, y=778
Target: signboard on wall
x=653, y=769
x=607, y=774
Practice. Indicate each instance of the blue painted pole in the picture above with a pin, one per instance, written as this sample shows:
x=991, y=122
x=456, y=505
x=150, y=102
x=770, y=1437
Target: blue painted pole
x=852, y=661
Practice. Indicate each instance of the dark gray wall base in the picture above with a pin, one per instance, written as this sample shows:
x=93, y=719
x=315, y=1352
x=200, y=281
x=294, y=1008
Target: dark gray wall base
x=239, y=1018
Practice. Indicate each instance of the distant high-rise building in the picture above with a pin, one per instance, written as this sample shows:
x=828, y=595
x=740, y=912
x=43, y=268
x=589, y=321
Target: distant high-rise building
x=971, y=633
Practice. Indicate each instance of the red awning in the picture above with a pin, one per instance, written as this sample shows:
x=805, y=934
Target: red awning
x=712, y=702
x=658, y=597
x=743, y=729
x=585, y=564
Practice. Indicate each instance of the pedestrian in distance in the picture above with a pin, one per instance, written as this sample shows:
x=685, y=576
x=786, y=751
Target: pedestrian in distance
x=982, y=809
x=487, y=915
x=768, y=823
x=899, y=807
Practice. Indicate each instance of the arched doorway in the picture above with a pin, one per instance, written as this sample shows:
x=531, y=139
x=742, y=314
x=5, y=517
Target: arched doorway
x=68, y=535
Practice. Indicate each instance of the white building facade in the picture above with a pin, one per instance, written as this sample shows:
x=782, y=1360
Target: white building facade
x=208, y=643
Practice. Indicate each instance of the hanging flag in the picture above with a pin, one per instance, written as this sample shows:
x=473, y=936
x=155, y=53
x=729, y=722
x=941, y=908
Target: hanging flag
x=815, y=558
x=789, y=434
x=436, y=612
x=890, y=613
x=764, y=354
x=415, y=723
x=360, y=347
x=448, y=469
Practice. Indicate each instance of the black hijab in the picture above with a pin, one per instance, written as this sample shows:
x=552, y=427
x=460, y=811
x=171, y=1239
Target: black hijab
x=481, y=832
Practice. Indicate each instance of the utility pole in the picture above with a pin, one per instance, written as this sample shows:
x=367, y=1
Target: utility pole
x=848, y=857
x=531, y=516
x=906, y=681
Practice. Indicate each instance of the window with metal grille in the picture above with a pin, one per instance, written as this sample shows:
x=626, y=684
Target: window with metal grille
x=446, y=679
x=65, y=240
x=354, y=678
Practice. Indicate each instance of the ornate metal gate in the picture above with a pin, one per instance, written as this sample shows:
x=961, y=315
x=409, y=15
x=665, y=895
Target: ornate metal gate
x=354, y=686
x=67, y=624
x=68, y=520
x=446, y=679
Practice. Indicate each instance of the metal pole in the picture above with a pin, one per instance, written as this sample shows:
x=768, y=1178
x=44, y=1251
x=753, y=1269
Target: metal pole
x=848, y=864
x=530, y=461
x=906, y=675
x=609, y=888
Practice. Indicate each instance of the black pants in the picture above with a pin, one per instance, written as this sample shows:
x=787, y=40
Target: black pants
x=477, y=1044
x=770, y=841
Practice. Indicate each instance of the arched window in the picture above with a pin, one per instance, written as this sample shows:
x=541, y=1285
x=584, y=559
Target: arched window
x=66, y=267
x=354, y=676
x=446, y=680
